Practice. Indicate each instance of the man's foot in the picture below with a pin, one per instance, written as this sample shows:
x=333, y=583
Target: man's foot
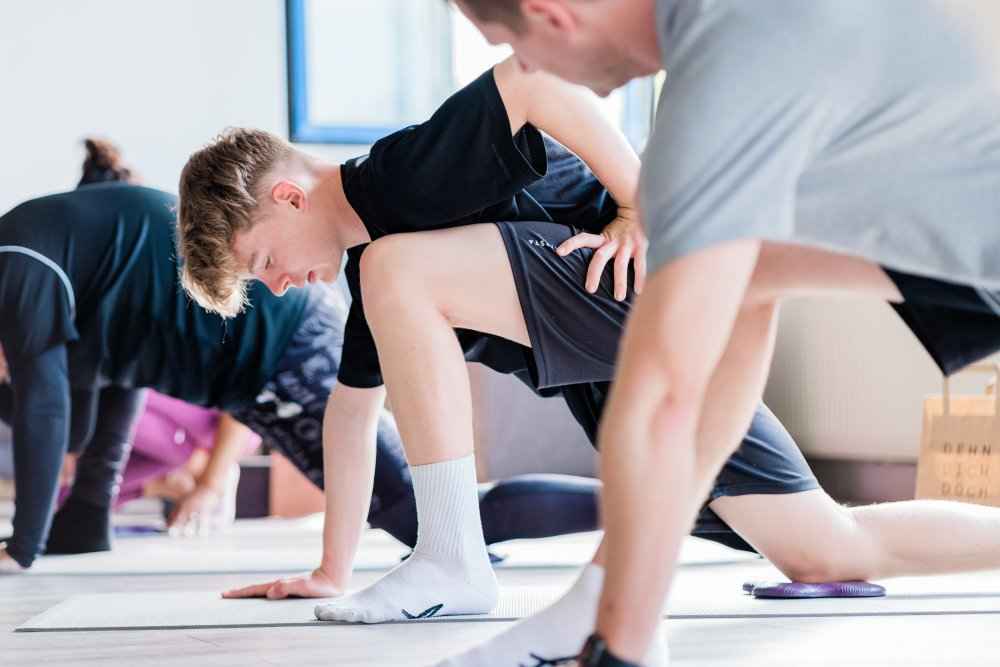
x=78, y=528
x=421, y=587
x=555, y=634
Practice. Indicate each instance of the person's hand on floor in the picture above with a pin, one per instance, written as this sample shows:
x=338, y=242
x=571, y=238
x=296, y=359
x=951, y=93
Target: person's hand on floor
x=313, y=585
x=195, y=513
x=624, y=240
x=8, y=565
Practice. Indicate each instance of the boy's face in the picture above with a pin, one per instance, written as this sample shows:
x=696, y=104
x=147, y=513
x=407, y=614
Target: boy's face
x=557, y=37
x=288, y=247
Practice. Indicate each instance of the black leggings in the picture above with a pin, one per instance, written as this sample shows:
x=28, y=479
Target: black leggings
x=103, y=454
x=102, y=462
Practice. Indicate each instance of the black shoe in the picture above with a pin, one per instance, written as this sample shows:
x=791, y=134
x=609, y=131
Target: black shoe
x=79, y=528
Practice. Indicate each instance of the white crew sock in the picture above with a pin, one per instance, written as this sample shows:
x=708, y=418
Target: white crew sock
x=449, y=571
x=558, y=631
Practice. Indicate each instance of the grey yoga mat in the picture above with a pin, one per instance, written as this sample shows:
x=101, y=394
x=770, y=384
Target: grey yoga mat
x=286, y=547
x=200, y=609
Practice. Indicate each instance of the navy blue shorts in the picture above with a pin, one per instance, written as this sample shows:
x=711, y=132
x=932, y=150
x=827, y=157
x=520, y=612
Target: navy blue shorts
x=957, y=324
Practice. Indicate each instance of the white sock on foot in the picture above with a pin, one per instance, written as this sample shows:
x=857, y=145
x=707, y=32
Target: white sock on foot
x=558, y=631
x=449, y=571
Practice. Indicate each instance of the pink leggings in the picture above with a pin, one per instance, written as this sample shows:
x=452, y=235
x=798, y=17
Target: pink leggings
x=166, y=436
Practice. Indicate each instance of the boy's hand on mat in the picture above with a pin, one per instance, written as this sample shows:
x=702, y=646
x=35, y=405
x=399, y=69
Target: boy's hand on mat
x=625, y=241
x=314, y=585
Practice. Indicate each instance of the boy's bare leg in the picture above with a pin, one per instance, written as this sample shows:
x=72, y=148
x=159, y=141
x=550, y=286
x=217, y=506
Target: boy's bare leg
x=417, y=288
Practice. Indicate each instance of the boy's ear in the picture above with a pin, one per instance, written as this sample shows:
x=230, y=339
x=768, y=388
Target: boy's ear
x=290, y=193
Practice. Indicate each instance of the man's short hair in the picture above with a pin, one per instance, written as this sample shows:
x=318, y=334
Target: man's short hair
x=219, y=191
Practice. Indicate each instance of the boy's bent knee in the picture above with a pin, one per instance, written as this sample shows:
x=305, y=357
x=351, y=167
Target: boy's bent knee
x=390, y=273
x=388, y=258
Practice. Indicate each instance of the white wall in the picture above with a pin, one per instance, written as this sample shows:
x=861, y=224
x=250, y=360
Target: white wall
x=160, y=78
x=849, y=380
x=517, y=432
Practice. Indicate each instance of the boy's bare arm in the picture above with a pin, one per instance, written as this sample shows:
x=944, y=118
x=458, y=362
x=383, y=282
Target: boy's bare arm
x=571, y=115
x=350, y=427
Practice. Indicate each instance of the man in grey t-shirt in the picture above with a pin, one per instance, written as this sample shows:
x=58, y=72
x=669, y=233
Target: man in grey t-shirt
x=800, y=148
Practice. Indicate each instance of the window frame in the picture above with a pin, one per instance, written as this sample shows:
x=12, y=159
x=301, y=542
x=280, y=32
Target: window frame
x=300, y=129
x=636, y=117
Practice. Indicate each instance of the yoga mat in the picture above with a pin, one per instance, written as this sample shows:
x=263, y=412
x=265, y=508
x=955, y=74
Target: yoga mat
x=267, y=546
x=578, y=550
x=690, y=600
x=279, y=546
x=200, y=609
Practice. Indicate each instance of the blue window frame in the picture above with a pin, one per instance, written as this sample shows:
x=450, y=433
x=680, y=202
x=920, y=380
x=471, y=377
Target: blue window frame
x=375, y=69
x=360, y=70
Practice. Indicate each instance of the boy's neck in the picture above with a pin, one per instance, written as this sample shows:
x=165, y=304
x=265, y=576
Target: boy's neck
x=337, y=210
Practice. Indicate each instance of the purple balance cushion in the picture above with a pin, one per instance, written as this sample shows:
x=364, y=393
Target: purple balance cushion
x=793, y=590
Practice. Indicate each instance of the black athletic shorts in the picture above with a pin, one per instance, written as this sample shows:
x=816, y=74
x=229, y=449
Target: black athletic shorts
x=957, y=324
x=574, y=341
x=574, y=334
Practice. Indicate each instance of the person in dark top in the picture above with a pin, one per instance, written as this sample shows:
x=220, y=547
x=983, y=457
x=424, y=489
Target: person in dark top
x=91, y=311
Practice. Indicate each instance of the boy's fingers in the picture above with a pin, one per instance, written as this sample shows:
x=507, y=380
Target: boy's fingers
x=581, y=240
x=598, y=263
x=622, y=260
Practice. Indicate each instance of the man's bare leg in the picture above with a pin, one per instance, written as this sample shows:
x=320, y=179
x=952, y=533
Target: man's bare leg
x=658, y=397
x=811, y=538
x=417, y=289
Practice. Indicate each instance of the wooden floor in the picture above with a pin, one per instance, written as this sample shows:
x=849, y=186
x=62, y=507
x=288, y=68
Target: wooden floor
x=932, y=641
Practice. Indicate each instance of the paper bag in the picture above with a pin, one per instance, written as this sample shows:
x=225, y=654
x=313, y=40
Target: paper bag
x=960, y=446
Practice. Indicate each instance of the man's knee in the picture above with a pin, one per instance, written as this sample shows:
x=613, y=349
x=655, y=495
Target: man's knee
x=845, y=553
x=812, y=566
x=661, y=423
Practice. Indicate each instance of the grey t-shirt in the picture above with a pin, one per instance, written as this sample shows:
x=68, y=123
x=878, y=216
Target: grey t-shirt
x=869, y=127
